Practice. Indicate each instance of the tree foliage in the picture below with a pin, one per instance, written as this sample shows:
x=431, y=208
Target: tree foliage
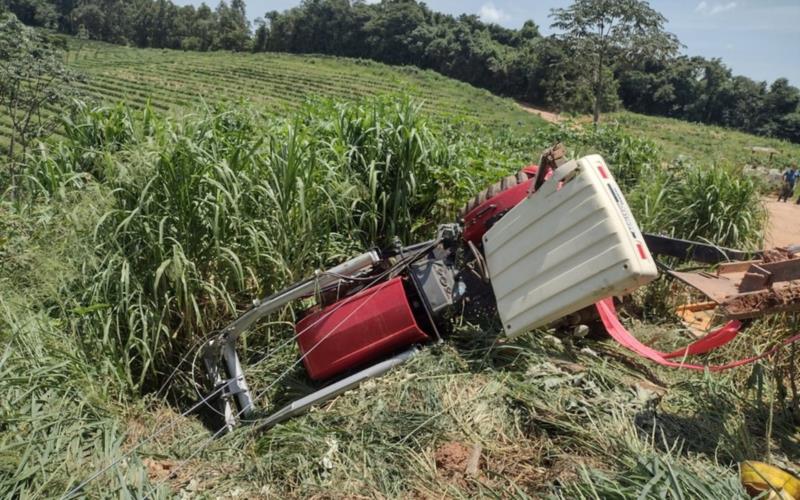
x=607, y=53
x=33, y=79
x=607, y=34
x=145, y=23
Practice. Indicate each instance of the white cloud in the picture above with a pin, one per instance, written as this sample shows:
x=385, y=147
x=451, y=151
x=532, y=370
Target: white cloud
x=715, y=8
x=491, y=14
x=720, y=7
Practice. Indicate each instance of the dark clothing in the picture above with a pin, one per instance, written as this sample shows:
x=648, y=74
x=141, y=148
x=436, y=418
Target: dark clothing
x=787, y=190
x=790, y=177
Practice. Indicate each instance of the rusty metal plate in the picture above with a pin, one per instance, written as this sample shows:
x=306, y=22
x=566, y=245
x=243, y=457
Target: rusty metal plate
x=749, y=289
x=716, y=288
x=782, y=297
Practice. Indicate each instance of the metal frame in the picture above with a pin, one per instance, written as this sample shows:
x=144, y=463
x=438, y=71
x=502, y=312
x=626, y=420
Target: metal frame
x=695, y=250
x=229, y=373
x=315, y=398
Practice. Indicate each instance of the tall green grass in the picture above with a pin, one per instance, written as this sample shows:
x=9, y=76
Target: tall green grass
x=715, y=203
x=56, y=412
x=228, y=204
x=60, y=405
x=138, y=234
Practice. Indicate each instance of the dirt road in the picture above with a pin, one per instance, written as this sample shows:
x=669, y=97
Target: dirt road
x=783, y=227
x=546, y=115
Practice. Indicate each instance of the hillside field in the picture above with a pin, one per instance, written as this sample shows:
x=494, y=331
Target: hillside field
x=172, y=80
x=705, y=143
x=139, y=230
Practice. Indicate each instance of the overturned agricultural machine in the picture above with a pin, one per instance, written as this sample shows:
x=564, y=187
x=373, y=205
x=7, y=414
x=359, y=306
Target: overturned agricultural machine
x=539, y=248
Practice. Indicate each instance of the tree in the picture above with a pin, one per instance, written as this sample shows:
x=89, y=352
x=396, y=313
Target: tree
x=203, y=28
x=603, y=34
x=389, y=31
x=782, y=98
x=33, y=81
x=746, y=104
x=788, y=127
x=233, y=30
x=261, y=35
x=92, y=17
x=34, y=12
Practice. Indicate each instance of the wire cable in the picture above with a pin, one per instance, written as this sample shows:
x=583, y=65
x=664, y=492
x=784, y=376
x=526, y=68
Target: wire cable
x=400, y=265
x=397, y=267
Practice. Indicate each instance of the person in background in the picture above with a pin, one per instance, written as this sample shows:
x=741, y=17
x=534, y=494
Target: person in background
x=789, y=178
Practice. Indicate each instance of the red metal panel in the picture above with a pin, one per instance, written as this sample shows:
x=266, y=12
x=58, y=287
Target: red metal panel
x=475, y=222
x=362, y=328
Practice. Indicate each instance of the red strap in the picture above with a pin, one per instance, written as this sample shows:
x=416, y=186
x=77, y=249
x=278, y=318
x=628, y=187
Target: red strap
x=713, y=340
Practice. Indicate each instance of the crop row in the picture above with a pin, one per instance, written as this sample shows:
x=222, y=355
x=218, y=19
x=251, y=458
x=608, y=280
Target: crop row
x=252, y=82
x=298, y=68
x=174, y=80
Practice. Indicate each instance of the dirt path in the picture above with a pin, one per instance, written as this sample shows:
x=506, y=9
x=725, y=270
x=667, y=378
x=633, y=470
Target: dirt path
x=545, y=115
x=783, y=227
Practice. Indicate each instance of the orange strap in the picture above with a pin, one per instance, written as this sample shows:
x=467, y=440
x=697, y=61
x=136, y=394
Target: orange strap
x=710, y=342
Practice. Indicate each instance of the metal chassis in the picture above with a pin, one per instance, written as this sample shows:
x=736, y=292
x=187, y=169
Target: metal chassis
x=229, y=376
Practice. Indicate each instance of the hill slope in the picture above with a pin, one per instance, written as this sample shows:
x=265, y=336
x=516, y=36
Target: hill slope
x=177, y=80
x=136, y=231
x=174, y=80
x=705, y=143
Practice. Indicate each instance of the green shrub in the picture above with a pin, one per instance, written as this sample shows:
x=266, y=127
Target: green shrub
x=630, y=157
x=713, y=203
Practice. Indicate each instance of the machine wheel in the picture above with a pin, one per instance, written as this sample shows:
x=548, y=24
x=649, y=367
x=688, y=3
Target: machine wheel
x=490, y=192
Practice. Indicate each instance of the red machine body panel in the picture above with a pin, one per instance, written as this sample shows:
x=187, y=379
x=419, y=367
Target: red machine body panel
x=365, y=327
x=475, y=222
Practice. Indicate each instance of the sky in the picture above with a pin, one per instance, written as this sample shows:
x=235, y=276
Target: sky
x=756, y=38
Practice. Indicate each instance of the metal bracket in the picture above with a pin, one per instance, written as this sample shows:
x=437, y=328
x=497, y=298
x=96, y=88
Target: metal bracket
x=229, y=376
x=695, y=250
x=220, y=357
x=301, y=405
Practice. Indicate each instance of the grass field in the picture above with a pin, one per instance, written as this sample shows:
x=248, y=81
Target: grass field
x=144, y=229
x=176, y=80
x=173, y=80
x=706, y=143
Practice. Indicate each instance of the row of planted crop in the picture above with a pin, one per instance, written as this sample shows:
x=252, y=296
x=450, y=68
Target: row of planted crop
x=343, y=71
x=202, y=80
